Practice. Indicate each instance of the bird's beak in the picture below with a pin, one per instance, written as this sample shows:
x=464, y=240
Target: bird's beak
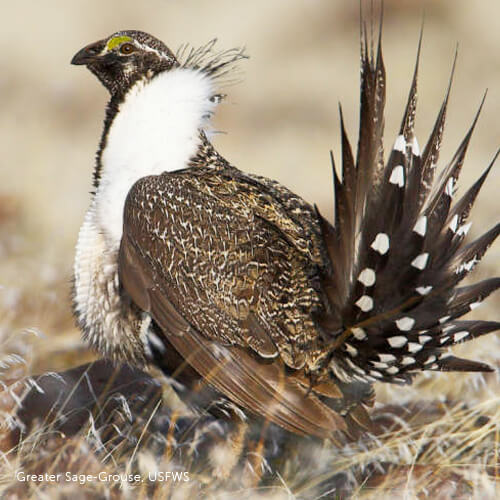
x=89, y=54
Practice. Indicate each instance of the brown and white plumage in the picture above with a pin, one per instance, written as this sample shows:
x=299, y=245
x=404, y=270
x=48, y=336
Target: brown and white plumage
x=231, y=278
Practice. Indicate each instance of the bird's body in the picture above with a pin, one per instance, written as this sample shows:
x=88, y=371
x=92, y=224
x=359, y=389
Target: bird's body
x=140, y=143
x=184, y=259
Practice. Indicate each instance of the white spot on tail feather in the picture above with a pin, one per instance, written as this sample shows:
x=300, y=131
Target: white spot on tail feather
x=414, y=347
x=405, y=324
x=392, y=370
x=449, y=187
x=423, y=290
x=454, y=224
x=365, y=303
x=381, y=243
x=378, y=364
x=367, y=276
x=408, y=360
x=423, y=339
x=398, y=176
x=397, y=341
x=387, y=358
x=400, y=144
x=457, y=337
x=359, y=333
x=351, y=350
x=420, y=261
x=421, y=226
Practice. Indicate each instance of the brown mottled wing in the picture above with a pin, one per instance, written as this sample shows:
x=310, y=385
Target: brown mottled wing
x=229, y=291
x=236, y=267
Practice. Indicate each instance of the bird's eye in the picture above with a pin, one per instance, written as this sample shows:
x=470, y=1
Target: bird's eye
x=127, y=48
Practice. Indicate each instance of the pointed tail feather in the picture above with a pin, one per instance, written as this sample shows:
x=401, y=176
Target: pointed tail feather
x=397, y=249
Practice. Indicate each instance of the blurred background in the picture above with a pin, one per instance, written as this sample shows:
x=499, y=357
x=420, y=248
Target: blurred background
x=280, y=121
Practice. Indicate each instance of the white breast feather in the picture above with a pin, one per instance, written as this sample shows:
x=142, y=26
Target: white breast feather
x=155, y=130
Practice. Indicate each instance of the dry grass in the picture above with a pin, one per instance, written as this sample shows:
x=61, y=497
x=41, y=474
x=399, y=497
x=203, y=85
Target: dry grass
x=441, y=439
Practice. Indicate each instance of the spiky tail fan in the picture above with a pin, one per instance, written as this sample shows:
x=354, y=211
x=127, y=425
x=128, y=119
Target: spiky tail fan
x=397, y=249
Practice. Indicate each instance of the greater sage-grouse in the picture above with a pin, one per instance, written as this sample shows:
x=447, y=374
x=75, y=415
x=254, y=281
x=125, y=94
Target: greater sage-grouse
x=229, y=278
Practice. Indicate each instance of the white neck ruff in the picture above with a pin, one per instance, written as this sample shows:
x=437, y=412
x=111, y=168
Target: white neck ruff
x=155, y=130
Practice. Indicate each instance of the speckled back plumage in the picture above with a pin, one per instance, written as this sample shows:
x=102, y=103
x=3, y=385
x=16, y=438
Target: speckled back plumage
x=244, y=271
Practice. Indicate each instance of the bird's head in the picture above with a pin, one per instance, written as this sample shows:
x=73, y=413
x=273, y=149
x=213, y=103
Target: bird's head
x=121, y=59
